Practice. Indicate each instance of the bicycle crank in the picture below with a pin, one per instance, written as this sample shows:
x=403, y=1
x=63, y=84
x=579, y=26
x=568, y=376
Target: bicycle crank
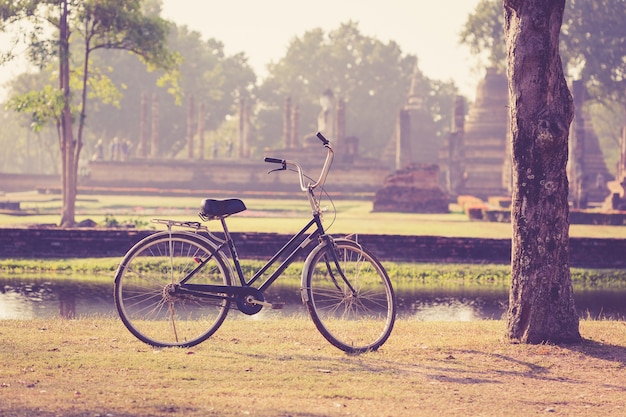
x=251, y=304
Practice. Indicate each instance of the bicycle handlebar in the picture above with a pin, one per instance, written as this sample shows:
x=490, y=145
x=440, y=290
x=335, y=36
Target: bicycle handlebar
x=323, y=173
x=322, y=138
x=274, y=160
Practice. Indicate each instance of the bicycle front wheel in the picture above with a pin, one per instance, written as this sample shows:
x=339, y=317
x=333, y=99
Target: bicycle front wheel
x=146, y=296
x=349, y=296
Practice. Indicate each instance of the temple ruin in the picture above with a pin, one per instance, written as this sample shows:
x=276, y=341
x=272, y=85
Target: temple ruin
x=475, y=159
x=419, y=172
x=587, y=171
x=414, y=186
x=617, y=198
x=484, y=141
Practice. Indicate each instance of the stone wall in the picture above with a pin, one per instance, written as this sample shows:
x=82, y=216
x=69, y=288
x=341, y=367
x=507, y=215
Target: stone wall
x=10, y=183
x=227, y=175
x=44, y=243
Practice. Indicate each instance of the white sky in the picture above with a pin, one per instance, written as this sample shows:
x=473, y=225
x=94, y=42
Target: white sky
x=262, y=29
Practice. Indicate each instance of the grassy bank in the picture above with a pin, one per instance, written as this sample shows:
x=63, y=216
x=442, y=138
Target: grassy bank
x=400, y=273
x=283, y=367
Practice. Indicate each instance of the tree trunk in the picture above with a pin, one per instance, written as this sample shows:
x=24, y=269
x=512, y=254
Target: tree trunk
x=67, y=140
x=541, y=304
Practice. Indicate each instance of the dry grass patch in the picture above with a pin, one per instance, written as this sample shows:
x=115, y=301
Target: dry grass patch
x=283, y=367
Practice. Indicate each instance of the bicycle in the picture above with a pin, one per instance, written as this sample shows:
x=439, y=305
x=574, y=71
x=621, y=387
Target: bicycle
x=175, y=288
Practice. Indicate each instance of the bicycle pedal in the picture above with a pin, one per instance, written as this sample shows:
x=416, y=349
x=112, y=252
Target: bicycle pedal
x=278, y=306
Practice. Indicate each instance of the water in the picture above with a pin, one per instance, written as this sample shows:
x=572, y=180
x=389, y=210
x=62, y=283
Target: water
x=27, y=298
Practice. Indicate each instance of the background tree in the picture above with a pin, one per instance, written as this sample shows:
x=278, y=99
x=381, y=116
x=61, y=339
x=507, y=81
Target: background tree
x=205, y=72
x=541, y=302
x=26, y=149
x=372, y=77
x=98, y=24
x=593, y=46
x=483, y=33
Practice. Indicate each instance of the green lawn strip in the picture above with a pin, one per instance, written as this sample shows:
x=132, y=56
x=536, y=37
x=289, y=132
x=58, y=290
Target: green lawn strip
x=401, y=274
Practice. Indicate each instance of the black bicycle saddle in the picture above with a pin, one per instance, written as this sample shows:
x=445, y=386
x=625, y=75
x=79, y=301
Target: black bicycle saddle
x=212, y=209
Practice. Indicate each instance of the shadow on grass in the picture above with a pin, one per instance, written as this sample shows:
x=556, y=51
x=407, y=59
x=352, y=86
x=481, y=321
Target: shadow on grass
x=599, y=350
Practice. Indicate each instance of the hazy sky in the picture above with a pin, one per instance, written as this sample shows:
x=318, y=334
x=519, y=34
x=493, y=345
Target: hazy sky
x=262, y=29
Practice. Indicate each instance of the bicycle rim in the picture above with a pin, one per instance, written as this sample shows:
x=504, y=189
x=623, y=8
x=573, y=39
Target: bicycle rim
x=143, y=296
x=355, y=314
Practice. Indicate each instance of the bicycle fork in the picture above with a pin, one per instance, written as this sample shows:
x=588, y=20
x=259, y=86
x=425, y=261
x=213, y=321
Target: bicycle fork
x=329, y=268
x=337, y=276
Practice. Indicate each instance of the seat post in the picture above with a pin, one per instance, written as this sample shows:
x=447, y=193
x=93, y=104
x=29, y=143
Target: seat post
x=226, y=232
x=233, y=251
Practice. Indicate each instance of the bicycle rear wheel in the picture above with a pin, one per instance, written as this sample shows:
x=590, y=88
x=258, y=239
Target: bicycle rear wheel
x=144, y=290
x=349, y=296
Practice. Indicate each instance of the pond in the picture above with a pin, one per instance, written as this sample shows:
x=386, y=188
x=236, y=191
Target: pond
x=26, y=298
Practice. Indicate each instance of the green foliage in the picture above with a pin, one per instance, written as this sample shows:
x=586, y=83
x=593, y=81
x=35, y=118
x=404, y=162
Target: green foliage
x=111, y=222
x=77, y=268
x=483, y=32
x=44, y=106
x=402, y=274
x=593, y=42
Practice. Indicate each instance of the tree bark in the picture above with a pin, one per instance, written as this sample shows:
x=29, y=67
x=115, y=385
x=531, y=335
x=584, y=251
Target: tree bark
x=541, y=304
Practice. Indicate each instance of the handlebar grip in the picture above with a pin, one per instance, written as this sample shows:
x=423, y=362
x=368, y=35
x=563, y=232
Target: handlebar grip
x=274, y=160
x=322, y=138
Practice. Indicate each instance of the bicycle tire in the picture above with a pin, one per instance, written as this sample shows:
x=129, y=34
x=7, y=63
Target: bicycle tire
x=156, y=316
x=358, y=320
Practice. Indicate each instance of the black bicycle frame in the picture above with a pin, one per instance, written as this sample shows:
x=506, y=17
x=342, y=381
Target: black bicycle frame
x=246, y=286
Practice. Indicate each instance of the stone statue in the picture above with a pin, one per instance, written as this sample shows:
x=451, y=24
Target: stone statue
x=326, y=117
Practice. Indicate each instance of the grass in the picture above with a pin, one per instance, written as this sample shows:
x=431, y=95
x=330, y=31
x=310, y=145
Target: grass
x=402, y=274
x=283, y=367
x=275, y=215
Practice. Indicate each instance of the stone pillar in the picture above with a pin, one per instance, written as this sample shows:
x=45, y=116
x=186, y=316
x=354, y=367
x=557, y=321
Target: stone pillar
x=287, y=137
x=190, y=126
x=403, y=140
x=577, y=148
x=154, y=139
x=340, y=128
x=455, y=148
x=459, y=114
x=244, y=129
x=142, y=146
x=621, y=168
x=295, y=126
x=507, y=168
x=201, y=132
